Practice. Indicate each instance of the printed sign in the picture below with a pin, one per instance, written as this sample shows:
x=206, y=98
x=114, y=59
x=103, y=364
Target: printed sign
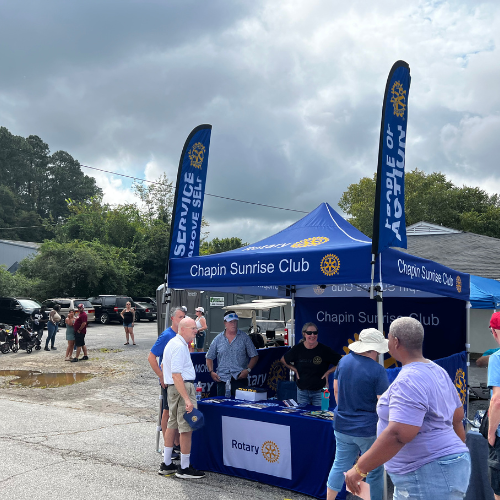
x=216, y=301
x=257, y=446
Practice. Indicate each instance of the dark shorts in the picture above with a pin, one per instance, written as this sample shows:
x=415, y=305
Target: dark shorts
x=165, y=398
x=494, y=466
x=79, y=339
x=200, y=339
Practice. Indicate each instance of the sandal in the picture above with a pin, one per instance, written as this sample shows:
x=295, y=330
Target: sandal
x=134, y=343
x=126, y=343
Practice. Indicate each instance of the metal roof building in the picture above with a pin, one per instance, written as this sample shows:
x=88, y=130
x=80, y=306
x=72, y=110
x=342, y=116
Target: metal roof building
x=466, y=252
x=13, y=252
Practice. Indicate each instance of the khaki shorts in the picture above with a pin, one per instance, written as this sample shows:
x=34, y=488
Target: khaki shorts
x=177, y=407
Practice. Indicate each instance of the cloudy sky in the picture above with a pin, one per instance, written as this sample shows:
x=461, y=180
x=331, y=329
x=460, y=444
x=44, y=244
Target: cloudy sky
x=292, y=88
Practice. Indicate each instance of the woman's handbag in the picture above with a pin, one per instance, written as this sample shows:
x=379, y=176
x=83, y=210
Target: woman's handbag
x=483, y=428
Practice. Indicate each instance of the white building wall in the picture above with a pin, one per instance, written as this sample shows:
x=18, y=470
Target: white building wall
x=480, y=336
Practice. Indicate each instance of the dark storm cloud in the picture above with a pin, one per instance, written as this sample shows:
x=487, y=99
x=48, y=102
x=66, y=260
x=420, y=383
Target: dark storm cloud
x=293, y=91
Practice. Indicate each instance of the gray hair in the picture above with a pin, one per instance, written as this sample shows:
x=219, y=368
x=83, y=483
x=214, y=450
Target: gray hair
x=409, y=331
x=307, y=325
x=174, y=310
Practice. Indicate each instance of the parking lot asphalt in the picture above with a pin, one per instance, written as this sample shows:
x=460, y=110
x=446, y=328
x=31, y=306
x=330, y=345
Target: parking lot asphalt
x=96, y=439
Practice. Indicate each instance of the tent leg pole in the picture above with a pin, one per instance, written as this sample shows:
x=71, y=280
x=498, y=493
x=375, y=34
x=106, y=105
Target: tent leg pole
x=380, y=327
x=467, y=357
x=158, y=426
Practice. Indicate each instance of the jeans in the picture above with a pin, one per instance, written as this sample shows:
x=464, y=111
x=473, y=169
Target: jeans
x=446, y=478
x=309, y=397
x=51, y=334
x=347, y=450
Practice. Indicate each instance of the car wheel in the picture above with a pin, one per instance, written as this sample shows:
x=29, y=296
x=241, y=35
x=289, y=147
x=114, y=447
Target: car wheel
x=151, y=319
x=104, y=318
x=62, y=323
x=138, y=318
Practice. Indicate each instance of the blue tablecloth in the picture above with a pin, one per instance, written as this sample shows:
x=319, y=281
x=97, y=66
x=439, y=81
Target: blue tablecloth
x=311, y=445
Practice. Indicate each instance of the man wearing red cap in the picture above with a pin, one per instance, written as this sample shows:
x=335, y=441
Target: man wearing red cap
x=494, y=411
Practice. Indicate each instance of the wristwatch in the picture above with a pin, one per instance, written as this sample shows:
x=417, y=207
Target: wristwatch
x=249, y=370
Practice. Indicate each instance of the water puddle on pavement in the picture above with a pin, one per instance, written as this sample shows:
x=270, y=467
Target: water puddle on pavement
x=28, y=378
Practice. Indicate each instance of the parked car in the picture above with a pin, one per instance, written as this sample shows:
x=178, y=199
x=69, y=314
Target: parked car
x=70, y=303
x=109, y=307
x=145, y=310
x=17, y=310
x=149, y=300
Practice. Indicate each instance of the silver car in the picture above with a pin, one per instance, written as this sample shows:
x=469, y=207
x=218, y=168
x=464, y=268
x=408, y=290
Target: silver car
x=70, y=303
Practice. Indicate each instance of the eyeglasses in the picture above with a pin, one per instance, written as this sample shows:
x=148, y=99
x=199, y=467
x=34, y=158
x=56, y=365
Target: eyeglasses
x=315, y=332
x=190, y=327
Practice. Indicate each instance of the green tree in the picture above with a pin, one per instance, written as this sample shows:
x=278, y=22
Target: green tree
x=12, y=285
x=221, y=245
x=40, y=183
x=428, y=197
x=79, y=269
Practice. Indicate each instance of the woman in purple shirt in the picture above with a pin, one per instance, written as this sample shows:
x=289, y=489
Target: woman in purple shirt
x=420, y=432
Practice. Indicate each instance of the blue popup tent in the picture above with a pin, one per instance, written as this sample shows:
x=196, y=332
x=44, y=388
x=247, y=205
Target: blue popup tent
x=320, y=249
x=484, y=293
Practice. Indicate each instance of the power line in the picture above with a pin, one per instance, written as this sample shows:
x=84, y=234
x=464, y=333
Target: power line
x=206, y=194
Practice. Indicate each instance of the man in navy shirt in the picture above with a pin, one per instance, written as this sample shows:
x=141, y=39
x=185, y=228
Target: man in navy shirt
x=176, y=316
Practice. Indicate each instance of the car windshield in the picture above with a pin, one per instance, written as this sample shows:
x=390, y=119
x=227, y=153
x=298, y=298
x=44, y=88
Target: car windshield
x=29, y=304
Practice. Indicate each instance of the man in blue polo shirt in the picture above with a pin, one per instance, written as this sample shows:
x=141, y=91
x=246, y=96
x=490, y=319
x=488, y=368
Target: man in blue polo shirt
x=176, y=316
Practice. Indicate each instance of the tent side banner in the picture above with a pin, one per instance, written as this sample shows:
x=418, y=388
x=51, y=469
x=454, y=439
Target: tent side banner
x=399, y=268
x=298, y=266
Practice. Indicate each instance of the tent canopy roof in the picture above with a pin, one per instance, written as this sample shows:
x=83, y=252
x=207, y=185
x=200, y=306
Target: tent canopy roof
x=321, y=248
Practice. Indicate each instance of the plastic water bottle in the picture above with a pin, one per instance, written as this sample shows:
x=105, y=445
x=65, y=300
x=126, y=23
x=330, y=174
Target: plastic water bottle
x=199, y=390
x=228, y=389
x=325, y=400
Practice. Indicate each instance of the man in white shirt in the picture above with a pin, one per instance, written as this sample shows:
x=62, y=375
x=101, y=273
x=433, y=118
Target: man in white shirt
x=178, y=376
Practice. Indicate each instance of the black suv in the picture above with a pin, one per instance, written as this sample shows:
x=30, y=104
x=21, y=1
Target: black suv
x=16, y=310
x=109, y=307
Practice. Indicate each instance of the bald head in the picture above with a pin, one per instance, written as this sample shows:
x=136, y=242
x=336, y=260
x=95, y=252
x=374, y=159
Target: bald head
x=187, y=329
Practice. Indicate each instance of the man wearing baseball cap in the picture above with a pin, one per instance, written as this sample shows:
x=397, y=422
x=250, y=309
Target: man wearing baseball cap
x=358, y=383
x=236, y=356
x=494, y=411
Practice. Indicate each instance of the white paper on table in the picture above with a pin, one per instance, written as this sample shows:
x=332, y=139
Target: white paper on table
x=364, y=494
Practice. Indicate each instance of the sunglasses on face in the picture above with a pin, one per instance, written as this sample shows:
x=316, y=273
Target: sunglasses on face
x=315, y=332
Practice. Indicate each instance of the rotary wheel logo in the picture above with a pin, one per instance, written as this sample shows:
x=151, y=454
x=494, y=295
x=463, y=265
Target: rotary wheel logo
x=318, y=290
x=195, y=418
x=461, y=385
x=330, y=264
x=311, y=242
x=317, y=360
x=459, y=284
x=398, y=99
x=270, y=451
x=277, y=372
x=197, y=155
